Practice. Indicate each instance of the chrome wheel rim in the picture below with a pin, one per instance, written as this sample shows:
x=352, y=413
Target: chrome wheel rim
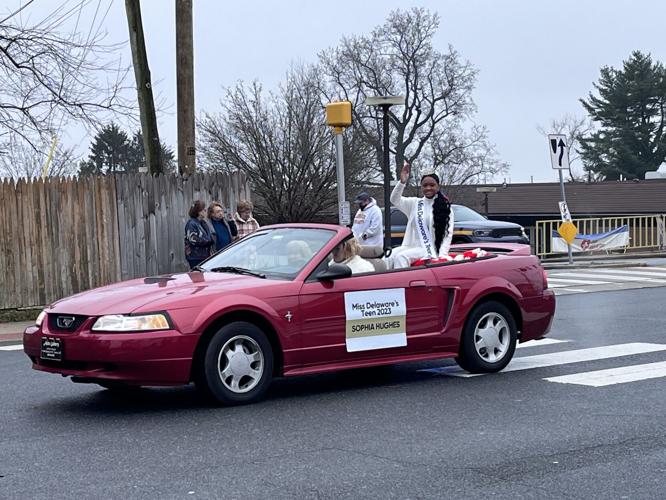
x=240, y=364
x=492, y=337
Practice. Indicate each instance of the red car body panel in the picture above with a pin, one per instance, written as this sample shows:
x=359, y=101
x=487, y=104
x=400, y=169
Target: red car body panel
x=306, y=317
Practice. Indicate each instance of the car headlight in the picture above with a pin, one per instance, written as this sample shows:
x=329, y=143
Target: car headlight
x=483, y=232
x=40, y=318
x=124, y=323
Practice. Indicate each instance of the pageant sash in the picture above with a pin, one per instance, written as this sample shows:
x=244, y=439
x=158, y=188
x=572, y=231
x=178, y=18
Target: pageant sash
x=424, y=230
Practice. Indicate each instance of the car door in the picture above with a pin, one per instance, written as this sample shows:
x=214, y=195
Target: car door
x=328, y=317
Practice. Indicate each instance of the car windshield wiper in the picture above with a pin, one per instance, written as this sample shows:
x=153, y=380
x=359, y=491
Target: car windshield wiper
x=198, y=268
x=237, y=270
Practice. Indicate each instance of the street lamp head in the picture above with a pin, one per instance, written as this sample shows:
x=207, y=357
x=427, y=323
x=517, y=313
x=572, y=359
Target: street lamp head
x=385, y=100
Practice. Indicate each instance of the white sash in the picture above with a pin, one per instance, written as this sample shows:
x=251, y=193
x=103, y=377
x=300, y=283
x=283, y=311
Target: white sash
x=424, y=230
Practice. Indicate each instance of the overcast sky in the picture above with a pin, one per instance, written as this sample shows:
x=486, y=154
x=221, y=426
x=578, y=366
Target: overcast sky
x=535, y=59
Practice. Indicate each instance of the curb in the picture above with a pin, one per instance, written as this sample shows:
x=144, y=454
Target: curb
x=10, y=338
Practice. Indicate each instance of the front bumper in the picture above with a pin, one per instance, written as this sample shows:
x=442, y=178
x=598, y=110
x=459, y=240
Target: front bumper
x=147, y=358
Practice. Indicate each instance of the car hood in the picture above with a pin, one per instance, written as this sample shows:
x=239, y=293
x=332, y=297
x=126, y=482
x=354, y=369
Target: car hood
x=128, y=296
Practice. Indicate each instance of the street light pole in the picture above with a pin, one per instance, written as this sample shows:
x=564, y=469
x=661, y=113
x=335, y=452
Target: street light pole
x=385, y=102
x=387, y=182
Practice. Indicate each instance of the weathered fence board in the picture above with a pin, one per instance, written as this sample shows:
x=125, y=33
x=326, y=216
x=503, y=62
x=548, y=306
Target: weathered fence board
x=60, y=236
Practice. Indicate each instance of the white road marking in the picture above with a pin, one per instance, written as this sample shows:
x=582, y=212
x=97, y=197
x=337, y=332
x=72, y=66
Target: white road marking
x=633, y=273
x=560, y=282
x=609, y=276
x=602, y=378
x=565, y=291
x=540, y=342
x=560, y=358
x=14, y=347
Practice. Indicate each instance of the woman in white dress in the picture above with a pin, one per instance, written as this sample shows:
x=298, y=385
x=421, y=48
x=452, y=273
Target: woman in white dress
x=429, y=222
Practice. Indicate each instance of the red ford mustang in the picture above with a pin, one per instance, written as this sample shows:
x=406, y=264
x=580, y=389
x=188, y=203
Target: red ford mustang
x=274, y=304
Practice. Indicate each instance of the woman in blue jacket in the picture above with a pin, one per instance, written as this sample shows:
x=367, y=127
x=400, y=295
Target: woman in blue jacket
x=198, y=240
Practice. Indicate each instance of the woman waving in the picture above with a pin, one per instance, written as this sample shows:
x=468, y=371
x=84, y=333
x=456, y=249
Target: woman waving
x=429, y=222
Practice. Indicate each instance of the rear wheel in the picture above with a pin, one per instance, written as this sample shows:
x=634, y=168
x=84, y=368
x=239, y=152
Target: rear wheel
x=237, y=366
x=489, y=339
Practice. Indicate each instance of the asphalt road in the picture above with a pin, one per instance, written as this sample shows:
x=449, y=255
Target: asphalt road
x=398, y=432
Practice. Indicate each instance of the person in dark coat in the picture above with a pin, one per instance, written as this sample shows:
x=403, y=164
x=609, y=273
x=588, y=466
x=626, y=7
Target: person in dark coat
x=223, y=231
x=198, y=240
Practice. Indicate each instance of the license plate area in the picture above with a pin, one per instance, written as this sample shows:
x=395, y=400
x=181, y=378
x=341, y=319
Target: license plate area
x=52, y=349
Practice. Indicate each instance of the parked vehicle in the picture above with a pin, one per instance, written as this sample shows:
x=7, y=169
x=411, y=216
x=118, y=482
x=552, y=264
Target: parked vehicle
x=274, y=304
x=469, y=227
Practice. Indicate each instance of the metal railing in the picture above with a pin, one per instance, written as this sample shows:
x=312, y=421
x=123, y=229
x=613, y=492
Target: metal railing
x=645, y=231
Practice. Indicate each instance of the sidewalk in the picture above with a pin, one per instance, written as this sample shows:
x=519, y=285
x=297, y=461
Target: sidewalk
x=13, y=332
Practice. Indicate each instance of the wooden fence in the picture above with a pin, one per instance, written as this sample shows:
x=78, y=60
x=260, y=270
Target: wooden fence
x=59, y=236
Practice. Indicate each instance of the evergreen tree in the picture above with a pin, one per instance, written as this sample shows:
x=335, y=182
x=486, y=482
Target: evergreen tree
x=629, y=113
x=138, y=156
x=112, y=151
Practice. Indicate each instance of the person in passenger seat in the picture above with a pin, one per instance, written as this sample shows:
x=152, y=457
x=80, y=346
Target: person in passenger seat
x=347, y=253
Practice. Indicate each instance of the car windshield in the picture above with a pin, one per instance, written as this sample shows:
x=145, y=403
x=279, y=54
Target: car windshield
x=273, y=253
x=461, y=213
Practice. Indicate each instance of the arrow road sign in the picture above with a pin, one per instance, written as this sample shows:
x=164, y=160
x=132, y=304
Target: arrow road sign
x=559, y=151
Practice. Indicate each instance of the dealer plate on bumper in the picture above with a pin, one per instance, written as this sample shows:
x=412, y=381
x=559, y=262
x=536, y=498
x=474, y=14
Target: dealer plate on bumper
x=52, y=348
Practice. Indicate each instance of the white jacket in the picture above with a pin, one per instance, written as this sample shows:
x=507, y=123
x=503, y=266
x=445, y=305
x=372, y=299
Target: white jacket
x=359, y=265
x=407, y=205
x=368, y=222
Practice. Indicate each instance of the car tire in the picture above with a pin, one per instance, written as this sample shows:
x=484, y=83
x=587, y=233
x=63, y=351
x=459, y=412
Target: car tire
x=489, y=338
x=237, y=365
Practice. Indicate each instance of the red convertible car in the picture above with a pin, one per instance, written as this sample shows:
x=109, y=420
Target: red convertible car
x=275, y=304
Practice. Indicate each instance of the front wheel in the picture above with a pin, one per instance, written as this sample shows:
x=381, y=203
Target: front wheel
x=489, y=339
x=238, y=364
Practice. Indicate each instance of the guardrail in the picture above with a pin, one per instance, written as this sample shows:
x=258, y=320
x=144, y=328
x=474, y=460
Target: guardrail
x=645, y=231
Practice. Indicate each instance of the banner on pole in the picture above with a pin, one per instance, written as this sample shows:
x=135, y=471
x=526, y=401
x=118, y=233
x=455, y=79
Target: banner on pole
x=618, y=238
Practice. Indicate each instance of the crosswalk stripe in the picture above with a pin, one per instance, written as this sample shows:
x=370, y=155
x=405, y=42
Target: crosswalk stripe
x=634, y=273
x=540, y=342
x=609, y=276
x=564, y=281
x=560, y=358
x=14, y=347
x=568, y=289
x=611, y=376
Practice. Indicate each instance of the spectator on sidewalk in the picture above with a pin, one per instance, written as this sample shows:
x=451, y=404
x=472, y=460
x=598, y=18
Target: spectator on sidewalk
x=367, y=227
x=223, y=231
x=198, y=240
x=244, y=221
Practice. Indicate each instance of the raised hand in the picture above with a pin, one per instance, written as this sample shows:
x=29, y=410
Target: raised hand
x=404, y=174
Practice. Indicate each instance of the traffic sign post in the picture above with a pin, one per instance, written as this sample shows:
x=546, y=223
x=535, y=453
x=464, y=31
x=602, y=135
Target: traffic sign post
x=559, y=159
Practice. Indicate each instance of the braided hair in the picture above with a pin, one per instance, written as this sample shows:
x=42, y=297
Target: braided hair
x=441, y=213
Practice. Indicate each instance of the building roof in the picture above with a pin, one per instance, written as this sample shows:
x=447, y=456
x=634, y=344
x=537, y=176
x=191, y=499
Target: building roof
x=540, y=199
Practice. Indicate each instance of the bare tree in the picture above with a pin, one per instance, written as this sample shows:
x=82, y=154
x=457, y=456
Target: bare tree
x=282, y=143
x=573, y=127
x=398, y=58
x=461, y=156
x=19, y=158
x=49, y=75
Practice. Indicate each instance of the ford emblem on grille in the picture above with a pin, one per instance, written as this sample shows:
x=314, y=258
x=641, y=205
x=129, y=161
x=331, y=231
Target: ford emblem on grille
x=65, y=321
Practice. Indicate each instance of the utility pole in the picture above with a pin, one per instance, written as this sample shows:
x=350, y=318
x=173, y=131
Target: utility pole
x=151, y=138
x=185, y=87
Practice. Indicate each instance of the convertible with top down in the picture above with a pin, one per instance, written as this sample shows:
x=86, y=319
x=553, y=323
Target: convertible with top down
x=259, y=310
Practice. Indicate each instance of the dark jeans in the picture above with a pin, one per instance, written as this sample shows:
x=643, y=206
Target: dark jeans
x=194, y=262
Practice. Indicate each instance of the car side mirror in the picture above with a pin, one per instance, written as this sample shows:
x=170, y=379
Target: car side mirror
x=334, y=272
